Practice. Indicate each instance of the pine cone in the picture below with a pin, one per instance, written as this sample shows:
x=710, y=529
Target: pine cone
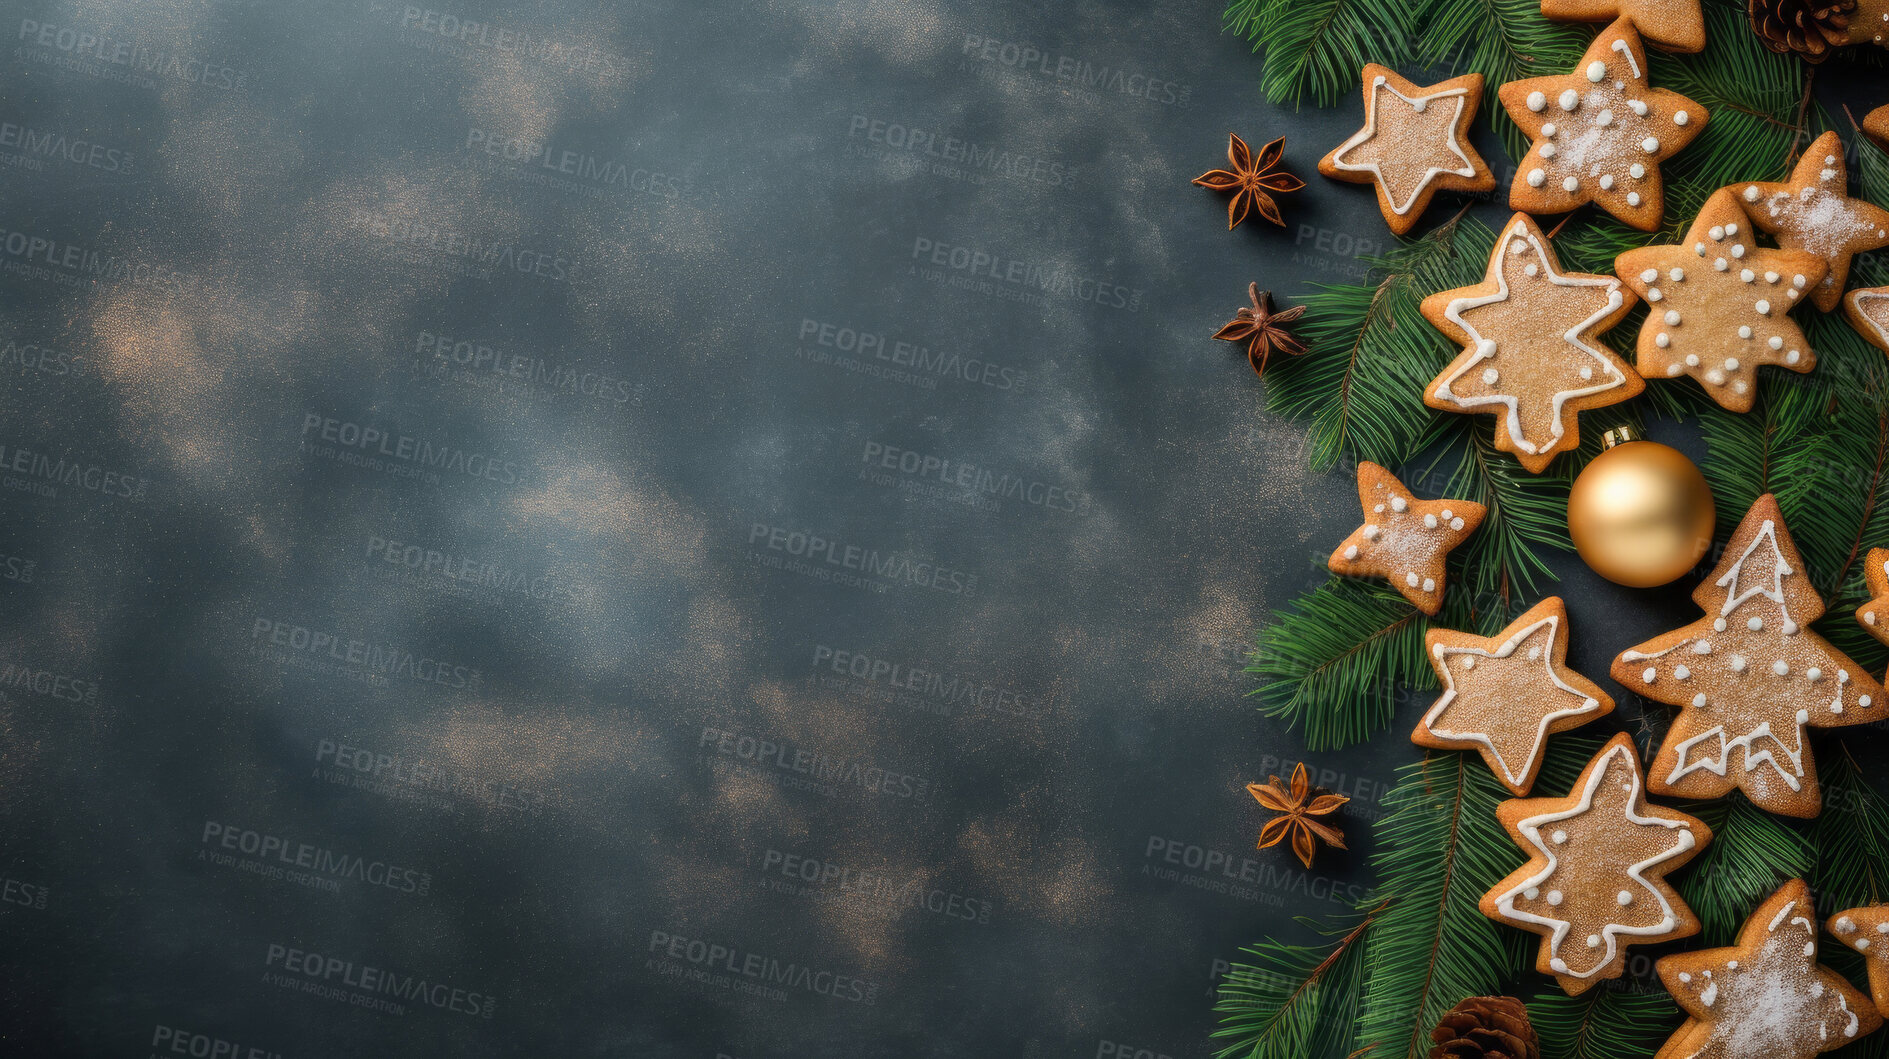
x=1811, y=28
x=1486, y=1027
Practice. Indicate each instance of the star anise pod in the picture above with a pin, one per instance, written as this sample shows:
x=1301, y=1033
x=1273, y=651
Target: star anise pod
x=1298, y=805
x=1262, y=329
x=1250, y=179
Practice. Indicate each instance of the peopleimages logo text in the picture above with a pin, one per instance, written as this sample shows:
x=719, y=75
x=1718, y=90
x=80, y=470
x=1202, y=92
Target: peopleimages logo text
x=768, y=970
x=378, y=981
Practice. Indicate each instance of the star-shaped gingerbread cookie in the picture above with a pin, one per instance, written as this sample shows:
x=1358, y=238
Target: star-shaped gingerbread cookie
x=1876, y=124
x=1873, y=616
x=1600, y=133
x=1670, y=25
x=1404, y=540
x=1595, y=882
x=1767, y=995
x=1750, y=677
x=1530, y=356
x=1868, y=312
x=1866, y=930
x=1717, y=304
x=1504, y=695
x=1415, y=143
x=1811, y=212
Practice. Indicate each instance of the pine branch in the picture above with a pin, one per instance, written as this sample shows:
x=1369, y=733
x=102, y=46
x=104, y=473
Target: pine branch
x=1333, y=663
x=1527, y=512
x=1751, y=854
x=1439, y=851
x=1504, y=40
x=1602, y=1023
x=1294, y=1001
x=1851, y=835
x=1371, y=352
x=1318, y=46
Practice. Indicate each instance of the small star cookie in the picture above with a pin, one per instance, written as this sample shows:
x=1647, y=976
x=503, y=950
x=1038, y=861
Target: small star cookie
x=1867, y=931
x=1811, y=212
x=1530, y=356
x=1403, y=539
x=1868, y=311
x=1670, y=25
x=1876, y=124
x=1415, y=143
x=1600, y=133
x=1873, y=616
x=1767, y=995
x=1750, y=678
x=1595, y=882
x=1717, y=304
x=1504, y=695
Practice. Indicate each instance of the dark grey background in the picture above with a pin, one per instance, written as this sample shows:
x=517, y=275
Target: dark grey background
x=235, y=264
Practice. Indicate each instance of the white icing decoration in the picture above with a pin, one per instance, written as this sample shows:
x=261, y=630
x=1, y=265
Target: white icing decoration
x=1597, y=71
x=1514, y=772
x=1530, y=830
x=1519, y=236
x=1418, y=103
x=1536, y=101
x=1632, y=64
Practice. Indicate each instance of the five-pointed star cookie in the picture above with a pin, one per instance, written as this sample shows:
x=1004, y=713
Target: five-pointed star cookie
x=1595, y=881
x=1810, y=212
x=1600, y=133
x=1867, y=931
x=1403, y=539
x=1716, y=304
x=1504, y=695
x=1767, y=995
x=1415, y=143
x=1530, y=355
x=1750, y=677
x=1873, y=616
x=1868, y=311
x=1671, y=25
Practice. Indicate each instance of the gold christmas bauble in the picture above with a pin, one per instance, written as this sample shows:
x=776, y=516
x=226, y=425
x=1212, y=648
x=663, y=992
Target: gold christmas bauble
x=1640, y=513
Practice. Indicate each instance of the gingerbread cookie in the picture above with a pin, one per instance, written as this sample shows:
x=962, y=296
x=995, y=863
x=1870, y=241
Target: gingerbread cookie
x=1810, y=212
x=1867, y=931
x=1874, y=615
x=1767, y=995
x=1876, y=124
x=1600, y=133
x=1403, y=539
x=1750, y=677
x=1504, y=695
x=1595, y=881
x=1669, y=25
x=1415, y=143
x=1530, y=356
x=1717, y=303
x=1868, y=311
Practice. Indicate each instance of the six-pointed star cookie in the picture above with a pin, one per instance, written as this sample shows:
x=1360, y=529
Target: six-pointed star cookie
x=1867, y=931
x=1671, y=25
x=1504, y=695
x=1873, y=616
x=1600, y=133
x=1767, y=995
x=1415, y=143
x=1810, y=212
x=1403, y=539
x=1751, y=677
x=1530, y=355
x=1595, y=881
x=1868, y=310
x=1716, y=304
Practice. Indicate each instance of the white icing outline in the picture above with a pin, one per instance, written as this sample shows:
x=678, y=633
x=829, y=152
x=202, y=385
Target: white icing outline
x=1453, y=313
x=1589, y=705
x=1620, y=45
x=1370, y=130
x=1867, y=294
x=1716, y=764
x=1531, y=828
